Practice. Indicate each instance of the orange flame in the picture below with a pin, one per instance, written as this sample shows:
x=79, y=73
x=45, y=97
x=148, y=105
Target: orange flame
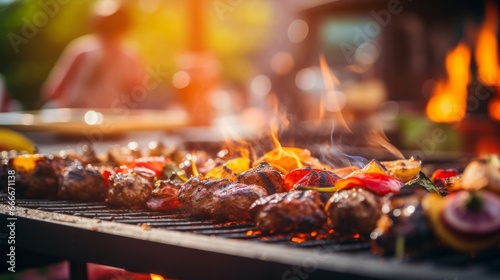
x=448, y=103
x=494, y=109
x=487, y=46
x=282, y=158
x=330, y=80
x=156, y=277
x=194, y=169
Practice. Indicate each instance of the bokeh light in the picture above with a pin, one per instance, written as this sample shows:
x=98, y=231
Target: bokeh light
x=297, y=31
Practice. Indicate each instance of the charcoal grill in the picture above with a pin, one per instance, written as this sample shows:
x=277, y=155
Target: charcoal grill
x=178, y=246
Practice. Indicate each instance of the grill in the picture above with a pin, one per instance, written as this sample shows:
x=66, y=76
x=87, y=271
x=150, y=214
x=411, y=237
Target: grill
x=178, y=246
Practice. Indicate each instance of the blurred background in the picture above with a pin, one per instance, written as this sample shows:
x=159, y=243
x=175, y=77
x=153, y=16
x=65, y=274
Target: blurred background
x=425, y=72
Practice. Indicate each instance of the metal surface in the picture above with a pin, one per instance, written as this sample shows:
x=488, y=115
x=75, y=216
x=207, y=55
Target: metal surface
x=181, y=247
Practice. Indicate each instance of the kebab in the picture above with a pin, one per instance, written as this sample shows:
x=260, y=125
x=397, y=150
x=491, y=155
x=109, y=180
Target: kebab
x=377, y=182
x=465, y=220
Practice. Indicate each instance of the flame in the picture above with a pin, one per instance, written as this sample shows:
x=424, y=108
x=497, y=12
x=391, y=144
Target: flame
x=448, y=103
x=156, y=277
x=330, y=80
x=194, y=168
x=487, y=46
x=282, y=158
x=494, y=109
x=487, y=55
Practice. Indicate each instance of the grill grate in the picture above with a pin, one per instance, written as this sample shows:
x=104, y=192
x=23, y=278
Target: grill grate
x=177, y=221
x=436, y=260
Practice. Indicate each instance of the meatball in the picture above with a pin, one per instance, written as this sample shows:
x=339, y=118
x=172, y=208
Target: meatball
x=128, y=189
x=354, y=211
x=36, y=176
x=294, y=211
x=84, y=184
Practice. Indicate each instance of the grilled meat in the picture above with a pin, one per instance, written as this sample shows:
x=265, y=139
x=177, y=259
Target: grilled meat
x=197, y=192
x=84, y=184
x=219, y=199
x=164, y=196
x=36, y=176
x=128, y=189
x=294, y=211
x=354, y=211
x=264, y=175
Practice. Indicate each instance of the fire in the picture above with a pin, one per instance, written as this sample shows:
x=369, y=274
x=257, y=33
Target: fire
x=487, y=55
x=487, y=46
x=330, y=80
x=194, y=169
x=284, y=159
x=156, y=277
x=494, y=109
x=374, y=135
x=448, y=103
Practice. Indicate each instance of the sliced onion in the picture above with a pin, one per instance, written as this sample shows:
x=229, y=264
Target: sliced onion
x=483, y=221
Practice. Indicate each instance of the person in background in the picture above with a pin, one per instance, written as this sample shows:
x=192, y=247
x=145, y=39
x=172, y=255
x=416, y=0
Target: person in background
x=97, y=70
x=7, y=104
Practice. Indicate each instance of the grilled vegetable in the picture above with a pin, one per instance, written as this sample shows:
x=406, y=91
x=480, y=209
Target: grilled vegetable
x=308, y=176
x=230, y=169
x=423, y=181
x=286, y=159
x=380, y=184
x=155, y=164
x=481, y=173
x=465, y=221
x=404, y=169
x=442, y=174
x=11, y=140
x=373, y=166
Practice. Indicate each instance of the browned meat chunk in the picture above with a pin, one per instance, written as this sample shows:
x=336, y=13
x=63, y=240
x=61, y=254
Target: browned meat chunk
x=196, y=192
x=129, y=189
x=263, y=175
x=36, y=176
x=84, y=184
x=294, y=211
x=219, y=199
x=354, y=211
x=164, y=196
